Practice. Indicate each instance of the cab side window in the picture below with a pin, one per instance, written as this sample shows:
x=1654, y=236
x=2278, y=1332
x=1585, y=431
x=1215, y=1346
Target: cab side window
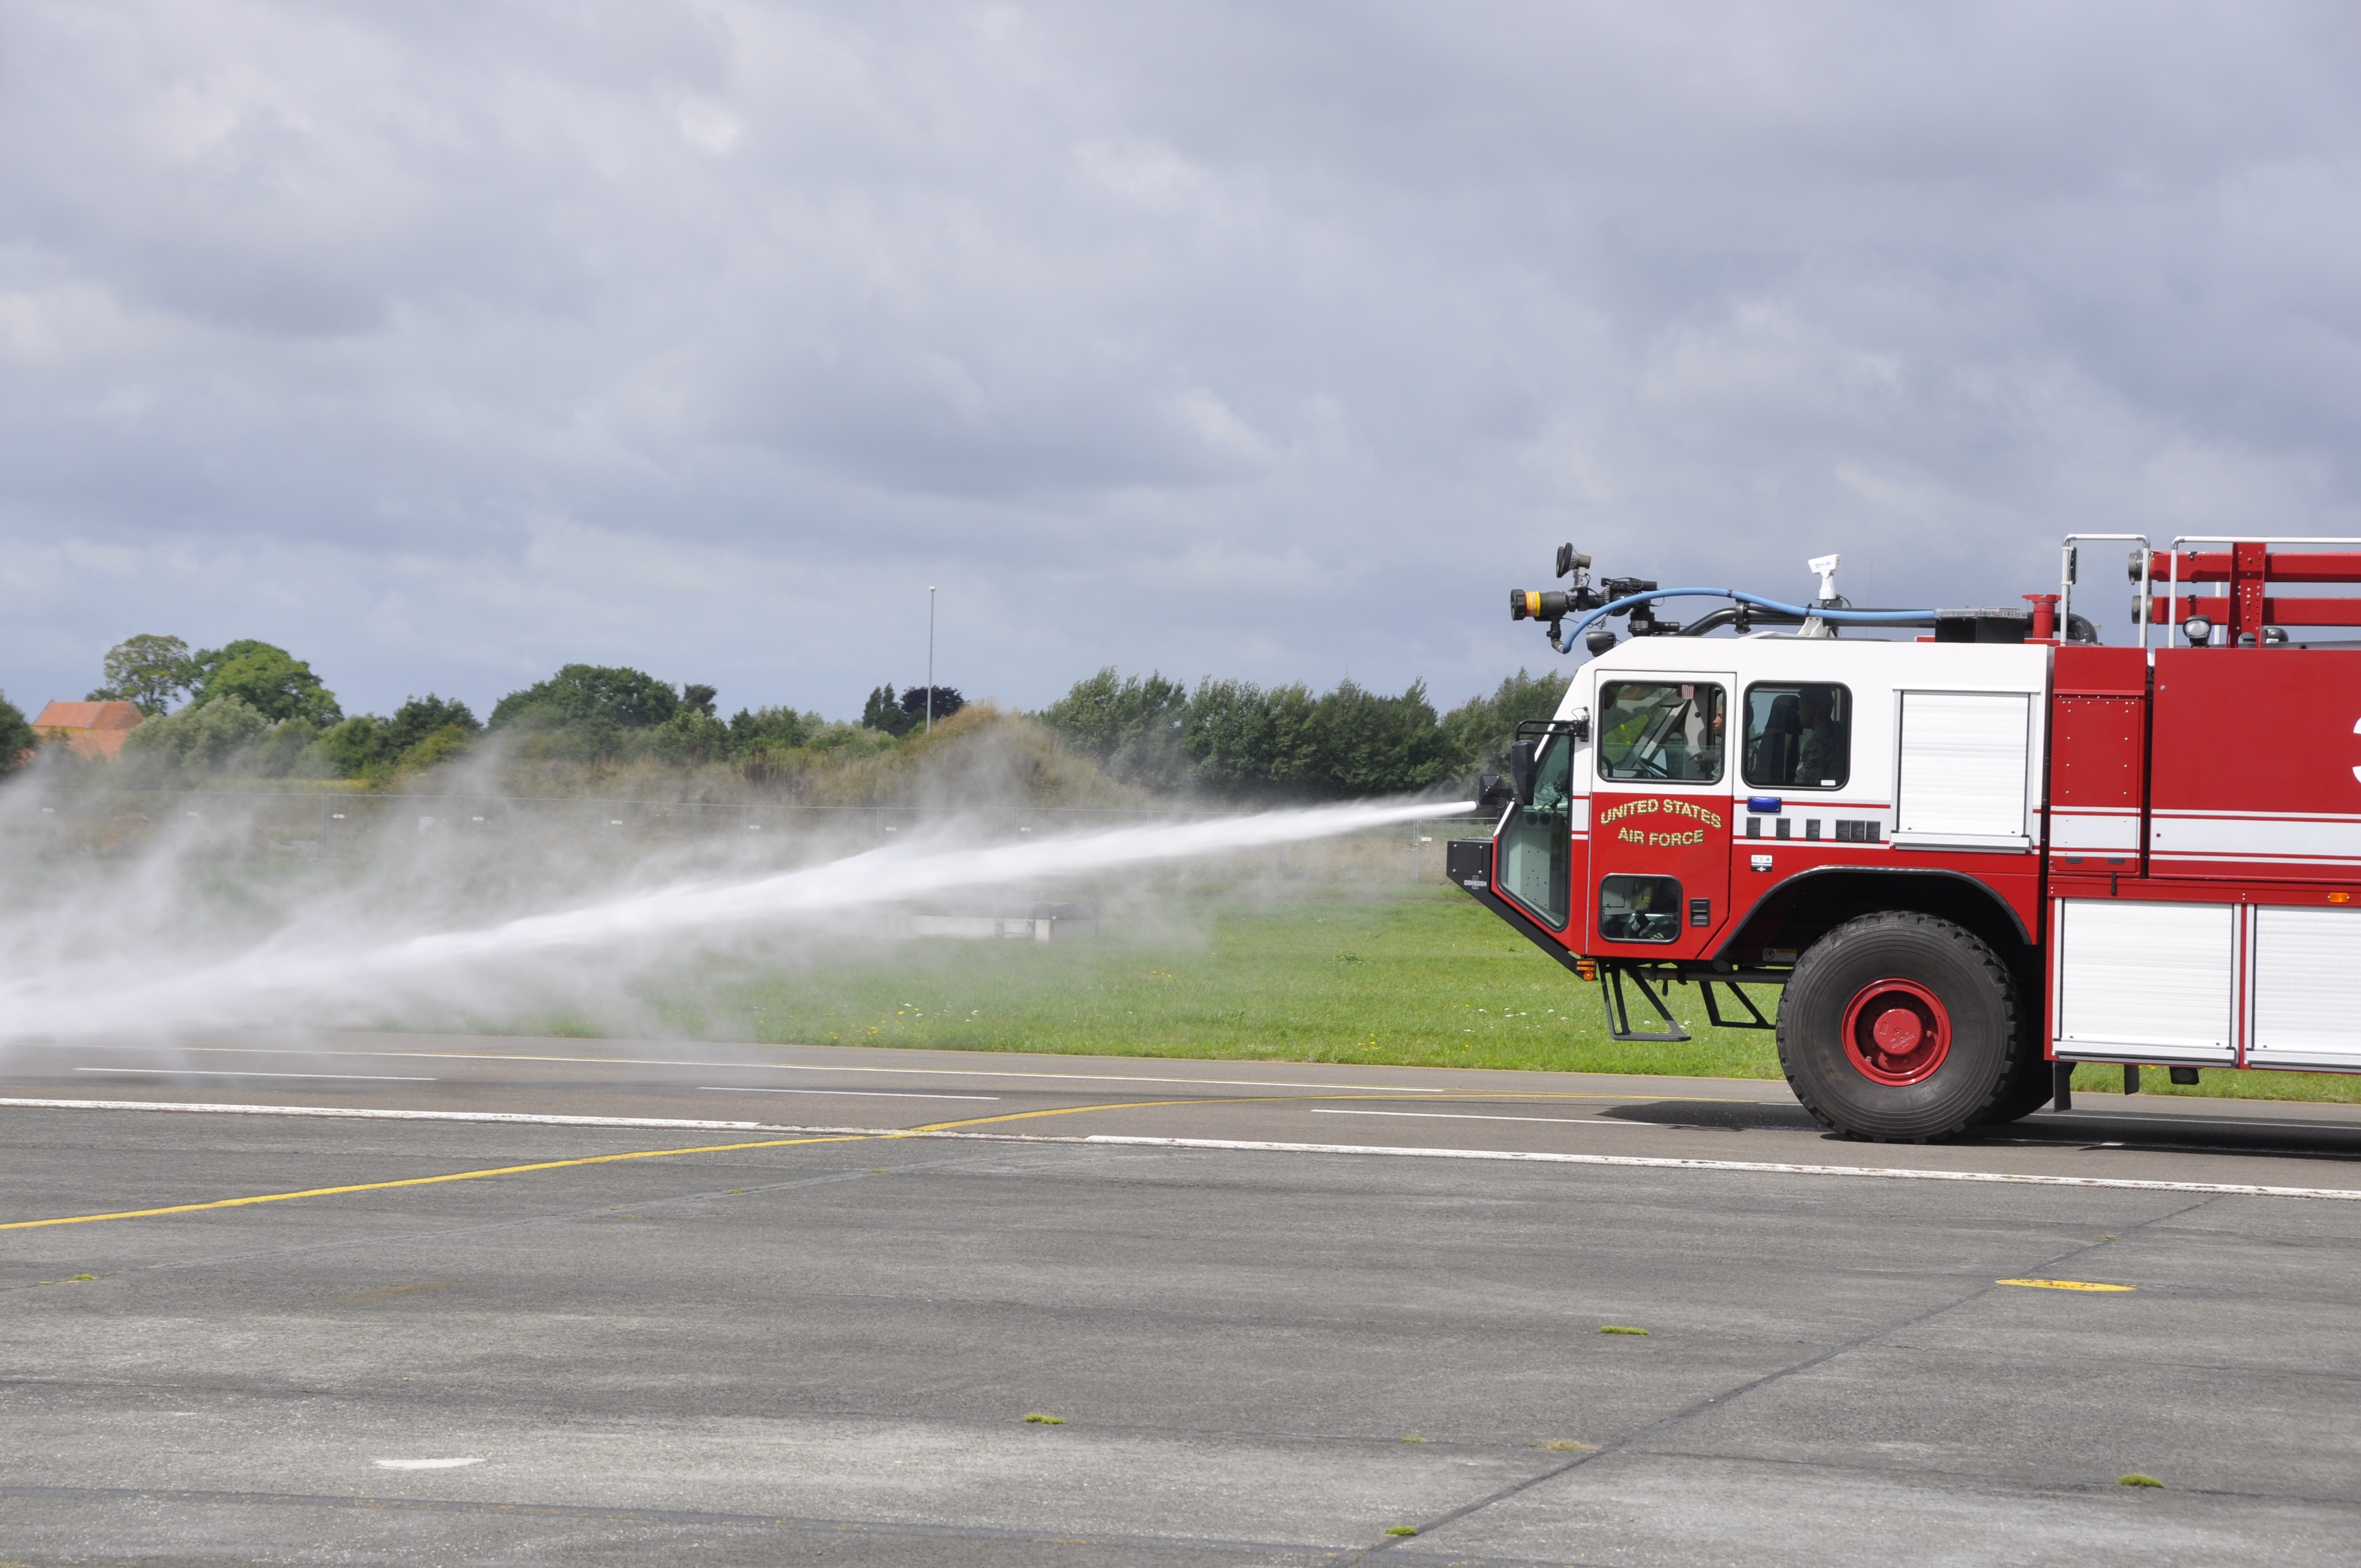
x=1798, y=736
x=1660, y=730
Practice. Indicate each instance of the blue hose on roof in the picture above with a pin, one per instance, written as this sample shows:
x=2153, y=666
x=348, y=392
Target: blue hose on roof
x=1838, y=617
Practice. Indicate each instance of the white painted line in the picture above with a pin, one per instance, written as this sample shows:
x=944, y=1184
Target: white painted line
x=1640, y=1161
x=427, y=1464
x=808, y=1067
x=223, y=1073
x=1645, y=1162
x=355, y=1113
x=836, y=1093
x=1472, y=1116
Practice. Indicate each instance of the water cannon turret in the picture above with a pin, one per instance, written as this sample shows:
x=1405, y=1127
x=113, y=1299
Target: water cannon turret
x=1541, y=604
x=1554, y=605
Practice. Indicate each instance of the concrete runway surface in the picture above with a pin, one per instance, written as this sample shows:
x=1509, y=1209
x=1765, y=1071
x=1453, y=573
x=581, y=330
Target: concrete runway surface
x=409, y=1299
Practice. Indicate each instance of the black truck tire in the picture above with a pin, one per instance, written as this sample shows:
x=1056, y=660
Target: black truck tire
x=2030, y=1087
x=1901, y=1027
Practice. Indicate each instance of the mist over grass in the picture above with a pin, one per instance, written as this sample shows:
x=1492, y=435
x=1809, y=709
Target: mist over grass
x=220, y=912
x=1413, y=975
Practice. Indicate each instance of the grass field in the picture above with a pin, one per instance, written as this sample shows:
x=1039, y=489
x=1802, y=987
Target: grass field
x=1374, y=969
x=1417, y=975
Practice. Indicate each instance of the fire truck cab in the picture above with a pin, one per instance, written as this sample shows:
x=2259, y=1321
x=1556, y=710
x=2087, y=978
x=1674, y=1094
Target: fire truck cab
x=1966, y=853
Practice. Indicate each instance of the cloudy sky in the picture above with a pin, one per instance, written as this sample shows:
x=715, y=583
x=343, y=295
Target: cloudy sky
x=448, y=341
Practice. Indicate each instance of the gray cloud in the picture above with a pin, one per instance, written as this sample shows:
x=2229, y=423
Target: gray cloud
x=446, y=342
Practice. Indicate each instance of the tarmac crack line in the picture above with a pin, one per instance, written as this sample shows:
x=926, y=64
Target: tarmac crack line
x=1715, y=1401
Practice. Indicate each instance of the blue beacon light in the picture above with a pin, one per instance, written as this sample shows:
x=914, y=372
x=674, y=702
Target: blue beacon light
x=1765, y=805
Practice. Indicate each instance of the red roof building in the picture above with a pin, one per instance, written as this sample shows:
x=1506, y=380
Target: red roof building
x=90, y=728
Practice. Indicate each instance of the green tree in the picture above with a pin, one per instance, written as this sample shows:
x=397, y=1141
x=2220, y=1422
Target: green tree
x=770, y=729
x=441, y=746
x=1482, y=729
x=421, y=733
x=691, y=736
x=147, y=670
x=16, y=736
x=591, y=694
x=1244, y=740
x=940, y=702
x=354, y=747
x=266, y=678
x=1133, y=726
x=1368, y=745
x=209, y=736
x=420, y=717
x=883, y=712
x=284, y=749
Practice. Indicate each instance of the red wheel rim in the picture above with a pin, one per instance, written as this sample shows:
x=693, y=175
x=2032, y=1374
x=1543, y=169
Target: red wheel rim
x=1896, y=1032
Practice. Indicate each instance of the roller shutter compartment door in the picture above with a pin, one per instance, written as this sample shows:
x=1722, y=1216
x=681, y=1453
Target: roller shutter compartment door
x=1961, y=777
x=2305, y=961
x=2146, y=982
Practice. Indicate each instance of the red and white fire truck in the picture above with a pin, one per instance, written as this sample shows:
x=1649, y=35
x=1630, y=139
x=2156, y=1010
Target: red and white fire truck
x=1971, y=847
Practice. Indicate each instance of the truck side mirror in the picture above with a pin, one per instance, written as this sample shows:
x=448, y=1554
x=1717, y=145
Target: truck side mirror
x=1521, y=769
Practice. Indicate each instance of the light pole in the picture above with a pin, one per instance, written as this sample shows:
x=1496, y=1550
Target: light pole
x=930, y=658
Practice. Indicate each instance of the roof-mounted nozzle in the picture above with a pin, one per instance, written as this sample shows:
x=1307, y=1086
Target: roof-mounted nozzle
x=1554, y=605
x=1539, y=604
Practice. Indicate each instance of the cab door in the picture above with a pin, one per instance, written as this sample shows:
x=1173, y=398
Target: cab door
x=1535, y=862
x=1659, y=813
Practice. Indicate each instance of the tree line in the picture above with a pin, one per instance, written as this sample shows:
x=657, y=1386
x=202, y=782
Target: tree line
x=252, y=708
x=1237, y=740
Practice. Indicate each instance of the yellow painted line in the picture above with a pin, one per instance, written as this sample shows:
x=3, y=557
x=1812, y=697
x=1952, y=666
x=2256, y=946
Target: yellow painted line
x=1131, y=1105
x=416, y=1181
x=2064, y=1285
x=592, y=1159
x=727, y=1148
